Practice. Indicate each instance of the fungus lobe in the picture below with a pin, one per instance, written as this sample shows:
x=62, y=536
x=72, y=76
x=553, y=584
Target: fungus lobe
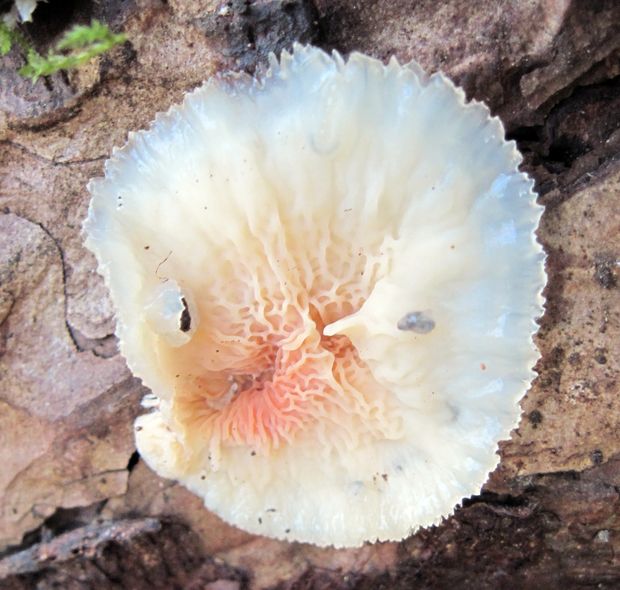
x=335, y=249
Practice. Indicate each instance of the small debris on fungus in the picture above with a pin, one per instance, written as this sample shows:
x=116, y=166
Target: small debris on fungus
x=416, y=321
x=285, y=342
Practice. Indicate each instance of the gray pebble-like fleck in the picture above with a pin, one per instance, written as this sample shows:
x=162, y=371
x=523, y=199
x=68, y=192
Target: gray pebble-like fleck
x=416, y=321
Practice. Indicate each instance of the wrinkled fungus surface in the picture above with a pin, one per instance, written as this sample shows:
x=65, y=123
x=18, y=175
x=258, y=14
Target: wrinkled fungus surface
x=329, y=279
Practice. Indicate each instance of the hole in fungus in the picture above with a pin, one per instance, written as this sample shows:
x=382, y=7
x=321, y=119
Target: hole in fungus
x=185, y=322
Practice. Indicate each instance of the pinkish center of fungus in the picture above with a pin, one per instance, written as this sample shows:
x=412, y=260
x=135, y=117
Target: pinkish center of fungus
x=264, y=398
x=271, y=375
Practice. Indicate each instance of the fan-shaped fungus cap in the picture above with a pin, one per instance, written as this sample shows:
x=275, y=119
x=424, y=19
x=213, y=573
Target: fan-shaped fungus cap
x=21, y=11
x=329, y=279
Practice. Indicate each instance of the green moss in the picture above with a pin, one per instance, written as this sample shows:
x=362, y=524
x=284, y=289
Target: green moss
x=77, y=47
x=6, y=39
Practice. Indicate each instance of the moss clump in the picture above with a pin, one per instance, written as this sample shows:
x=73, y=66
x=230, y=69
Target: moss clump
x=77, y=47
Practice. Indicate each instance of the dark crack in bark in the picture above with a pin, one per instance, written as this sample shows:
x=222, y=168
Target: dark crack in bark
x=51, y=161
x=580, y=137
x=105, y=347
x=134, y=553
x=248, y=31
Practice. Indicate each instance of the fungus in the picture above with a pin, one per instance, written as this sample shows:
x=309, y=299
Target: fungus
x=335, y=250
x=21, y=11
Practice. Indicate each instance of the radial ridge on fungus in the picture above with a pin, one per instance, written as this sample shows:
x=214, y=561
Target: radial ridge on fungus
x=309, y=270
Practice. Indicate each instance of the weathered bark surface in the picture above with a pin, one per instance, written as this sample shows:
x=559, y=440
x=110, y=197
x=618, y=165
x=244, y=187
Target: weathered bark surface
x=78, y=509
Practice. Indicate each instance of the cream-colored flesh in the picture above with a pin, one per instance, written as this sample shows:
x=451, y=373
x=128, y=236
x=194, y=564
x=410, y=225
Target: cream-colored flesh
x=300, y=219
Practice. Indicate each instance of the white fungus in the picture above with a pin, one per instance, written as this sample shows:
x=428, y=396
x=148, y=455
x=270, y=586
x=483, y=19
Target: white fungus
x=329, y=279
x=21, y=11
